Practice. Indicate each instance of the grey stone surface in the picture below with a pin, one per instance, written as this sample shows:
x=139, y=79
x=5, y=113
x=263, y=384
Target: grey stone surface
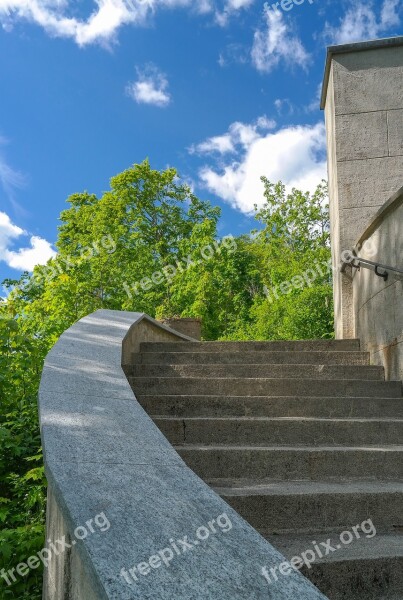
x=363, y=101
x=361, y=191
x=280, y=346
x=378, y=305
x=188, y=326
x=372, y=567
x=227, y=386
x=66, y=575
x=379, y=59
x=275, y=406
x=284, y=506
x=395, y=132
x=313, y=463
x=294, y=477
x=270, y=358
x=282, y=371
x=104, y=454
x=281, y=431
x=362, y=136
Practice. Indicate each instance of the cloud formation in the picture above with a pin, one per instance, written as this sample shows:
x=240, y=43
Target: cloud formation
x=230, y=8
x=276, y=43
x=151, y=87
x=239, y=135
x=101, y=26
x=363, y=22
x=38, y=252
x=294, y=155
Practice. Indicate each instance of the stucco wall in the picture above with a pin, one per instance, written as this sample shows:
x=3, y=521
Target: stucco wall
x=378, y=304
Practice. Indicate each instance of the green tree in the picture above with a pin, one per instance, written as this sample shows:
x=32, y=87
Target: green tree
x=292, y=249
x=131, y=231
x=148, y=244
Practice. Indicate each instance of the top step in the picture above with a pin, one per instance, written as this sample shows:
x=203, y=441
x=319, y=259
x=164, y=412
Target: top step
x=277, y=346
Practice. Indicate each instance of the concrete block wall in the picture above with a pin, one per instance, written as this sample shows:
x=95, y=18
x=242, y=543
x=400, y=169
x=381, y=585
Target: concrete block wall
x=363, y=102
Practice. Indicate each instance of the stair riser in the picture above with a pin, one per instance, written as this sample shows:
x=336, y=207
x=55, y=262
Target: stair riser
x=327, y=372
x=278, y=346
x=205, y=406
x=281, y=433
x=376, y=579
x=318, y=512
x=294, y=464
x=269, y=358
x=265, y=387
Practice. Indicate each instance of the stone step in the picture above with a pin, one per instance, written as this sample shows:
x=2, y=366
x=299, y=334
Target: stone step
x=299, y=463
x=279, y=346
x=248, y=370
x=265, y=387
x=281, y=431
x=369, y=568
x=266, y=406
x=300, y=506
x=271, y=358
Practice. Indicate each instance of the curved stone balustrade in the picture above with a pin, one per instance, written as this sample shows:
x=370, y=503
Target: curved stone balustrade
x=120, y=496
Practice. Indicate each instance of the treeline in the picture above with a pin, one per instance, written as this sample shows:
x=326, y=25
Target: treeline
x=148, y=244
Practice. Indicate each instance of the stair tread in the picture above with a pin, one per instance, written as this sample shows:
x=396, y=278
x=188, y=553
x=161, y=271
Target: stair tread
x=282, y=419
x=147, y=377
x=391, y=448
x=382, y=545
x=281, y=379
x=276, y=488
x=258, y=353
x=246, y=363
x=202, y=397
x=248, y=370
x=241, y=346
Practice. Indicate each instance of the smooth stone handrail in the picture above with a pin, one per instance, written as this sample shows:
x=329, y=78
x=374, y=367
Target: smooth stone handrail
x=105, y=456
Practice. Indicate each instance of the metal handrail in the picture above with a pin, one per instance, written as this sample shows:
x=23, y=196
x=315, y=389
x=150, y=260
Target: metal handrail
x=356, y=262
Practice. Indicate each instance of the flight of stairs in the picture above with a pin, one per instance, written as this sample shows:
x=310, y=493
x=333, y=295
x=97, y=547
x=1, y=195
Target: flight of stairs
x=303, y=439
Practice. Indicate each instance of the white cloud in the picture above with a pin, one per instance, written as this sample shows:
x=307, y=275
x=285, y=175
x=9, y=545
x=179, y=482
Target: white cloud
x=230, y=8
x=284, y=106
x=151, y=87
x=38, y=252
x=294, y=155
x=362, y=22
x=57, y=18
x=53, y=16
x=390, y=13
x=276, y=43
x=239, y=134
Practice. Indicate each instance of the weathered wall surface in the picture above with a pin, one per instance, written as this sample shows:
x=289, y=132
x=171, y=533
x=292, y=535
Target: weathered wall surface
x=363, y=101
x=188, y=326
x=105, y=456
x=378, y=304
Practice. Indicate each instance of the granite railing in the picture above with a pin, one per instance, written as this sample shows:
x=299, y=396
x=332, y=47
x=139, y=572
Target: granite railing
x=122, y=505
x=378, y=299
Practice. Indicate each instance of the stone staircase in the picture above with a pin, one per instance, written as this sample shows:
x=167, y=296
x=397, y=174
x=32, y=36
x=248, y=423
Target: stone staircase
x=303, y=439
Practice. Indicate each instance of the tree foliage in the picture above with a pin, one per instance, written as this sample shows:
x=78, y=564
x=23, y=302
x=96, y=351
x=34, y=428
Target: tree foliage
x=147, y=244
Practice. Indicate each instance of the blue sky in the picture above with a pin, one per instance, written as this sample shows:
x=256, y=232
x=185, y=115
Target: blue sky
x=223, y=90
